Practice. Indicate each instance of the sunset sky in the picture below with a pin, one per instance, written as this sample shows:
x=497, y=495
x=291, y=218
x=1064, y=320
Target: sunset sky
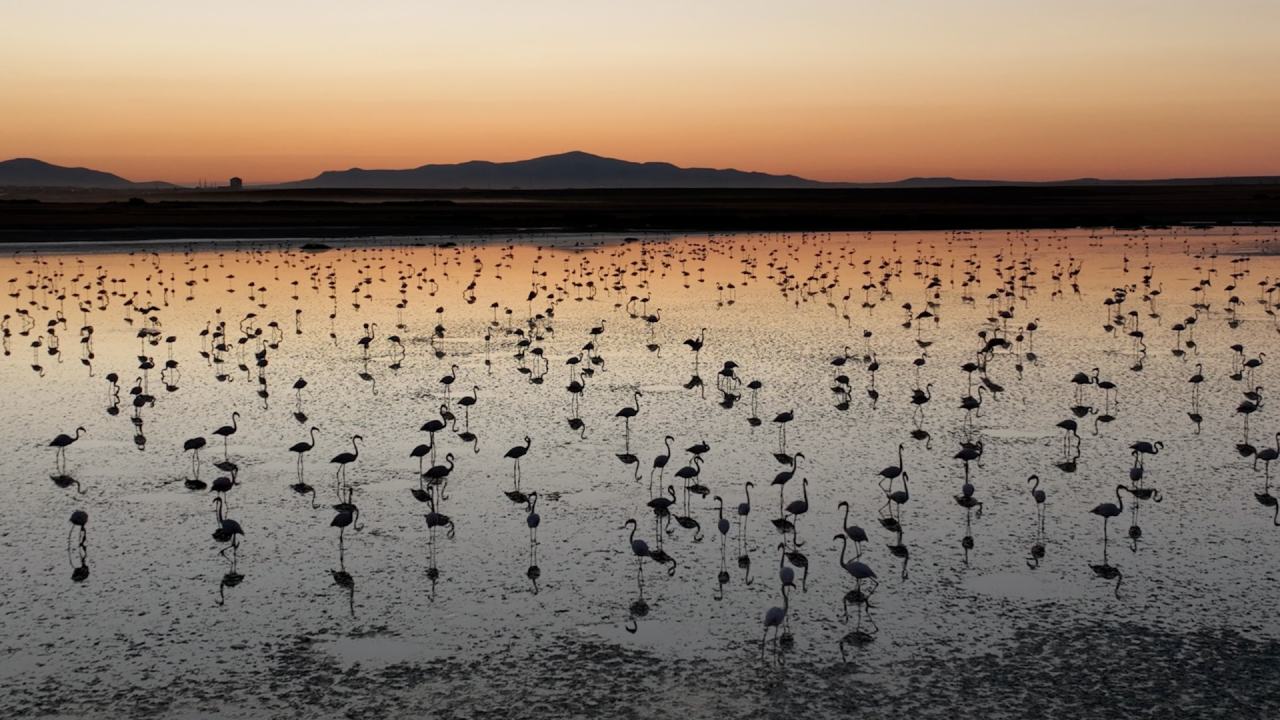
x=830, y=89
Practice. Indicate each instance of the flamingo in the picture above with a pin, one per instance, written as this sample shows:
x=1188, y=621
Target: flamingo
x=515, y=454
x=690, y=471
x=782, y=419
x=1267, y=455
x=348, y=515
x=660, y=462
x=744, y=508
x=898, y=497
x=467, y=402
x=304, y=447
x=855, y=533
x=1147, y=448
x=436, y=474
x=723, y=523
x=857, y=569
x=533, y=520
x=796, y=508
x=79, y=519
x=419, y=452
x=629, y=412
x=893, y=471
x=228, y=529
x=193, y=446
x=1038, y=495
x=782, y=478
x=345, y=458
x=61, y=442
x=775, y=616
x=436, y=519
x=640, y=549
x=1109, y=510
x=447, y=380
x=227, y=431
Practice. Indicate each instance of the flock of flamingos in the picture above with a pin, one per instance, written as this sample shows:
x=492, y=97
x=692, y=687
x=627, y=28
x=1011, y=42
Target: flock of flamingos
x=51, y=292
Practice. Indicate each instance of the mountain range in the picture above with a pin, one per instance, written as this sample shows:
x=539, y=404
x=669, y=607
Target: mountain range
x=29, y=172
x=571, y=170
x=566, y=170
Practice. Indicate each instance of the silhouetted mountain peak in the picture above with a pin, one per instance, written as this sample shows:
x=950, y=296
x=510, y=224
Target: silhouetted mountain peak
x=572, y=169
x=32, y=172
x=27, y=163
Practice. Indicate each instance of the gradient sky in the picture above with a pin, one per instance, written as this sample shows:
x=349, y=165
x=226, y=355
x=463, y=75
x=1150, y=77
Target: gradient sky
x=831, y=89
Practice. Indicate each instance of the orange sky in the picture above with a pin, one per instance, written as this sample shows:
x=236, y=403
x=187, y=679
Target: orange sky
x=831, y=89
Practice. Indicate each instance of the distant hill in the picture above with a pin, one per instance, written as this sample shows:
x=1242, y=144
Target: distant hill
x=582, y=170
x=29, y=172
x=568, y=170
x=950, y=182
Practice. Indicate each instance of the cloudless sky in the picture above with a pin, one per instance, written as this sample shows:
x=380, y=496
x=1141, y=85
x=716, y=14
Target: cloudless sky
x=831, y=89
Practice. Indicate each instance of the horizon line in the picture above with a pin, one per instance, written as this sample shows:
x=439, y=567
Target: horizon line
x=201, y=183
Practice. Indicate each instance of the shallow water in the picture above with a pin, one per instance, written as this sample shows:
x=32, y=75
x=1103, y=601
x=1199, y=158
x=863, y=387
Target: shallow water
x=1182, y=617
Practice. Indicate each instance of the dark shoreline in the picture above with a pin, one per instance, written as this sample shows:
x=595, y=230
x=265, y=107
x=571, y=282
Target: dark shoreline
x=44, y=216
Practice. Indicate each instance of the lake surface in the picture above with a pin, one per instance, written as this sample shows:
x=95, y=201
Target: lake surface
x=986, y=610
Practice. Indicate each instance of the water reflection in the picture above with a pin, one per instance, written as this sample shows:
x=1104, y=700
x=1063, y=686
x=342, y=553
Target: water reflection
x=78, y=547
x=1106, y=571
x=228, y=532
x=1266, y=499
x=966, y=542
x=533, y=520
x=435, y=519
x=777, y=619
x=344, y=580
x=1037, y=551
x=64, y=482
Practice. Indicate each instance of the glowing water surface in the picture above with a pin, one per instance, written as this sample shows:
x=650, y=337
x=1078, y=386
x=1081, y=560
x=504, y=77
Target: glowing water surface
x=967, y=613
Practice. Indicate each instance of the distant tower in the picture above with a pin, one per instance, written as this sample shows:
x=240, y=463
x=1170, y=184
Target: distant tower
x=236, y=183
